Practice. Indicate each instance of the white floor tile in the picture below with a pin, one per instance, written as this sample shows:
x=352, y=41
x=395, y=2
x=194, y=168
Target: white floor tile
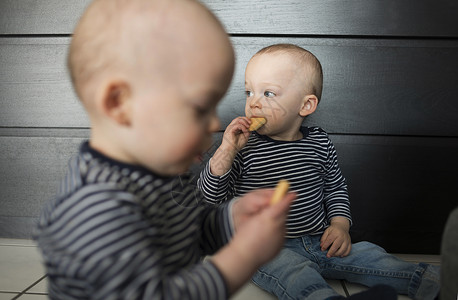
x=337, y=286
x=353, y=288
x=41, y=287
x=32, y=297
x=7, y=296
x=20, y=267
x=16, y=242
x=251, y=292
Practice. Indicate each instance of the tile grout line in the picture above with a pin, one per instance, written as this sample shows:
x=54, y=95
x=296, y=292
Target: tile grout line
x=342, y=282
x=28, y=288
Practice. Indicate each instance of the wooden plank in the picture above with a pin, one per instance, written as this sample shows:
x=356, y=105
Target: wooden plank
x=40, y=17
x=31, y=171
x=34, y=84
x=335, y=17
x=371, y=86
x=402, y=189
x=17, y=227
x=310, y=17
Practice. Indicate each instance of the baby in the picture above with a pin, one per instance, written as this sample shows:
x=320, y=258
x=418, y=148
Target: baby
x=283, y=84
x=150, y=74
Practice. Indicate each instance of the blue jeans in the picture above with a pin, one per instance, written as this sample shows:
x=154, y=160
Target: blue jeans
x=299, y=270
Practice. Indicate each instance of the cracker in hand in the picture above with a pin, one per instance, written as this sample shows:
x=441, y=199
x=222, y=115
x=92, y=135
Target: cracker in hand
x=257, y=123
x=280, y=191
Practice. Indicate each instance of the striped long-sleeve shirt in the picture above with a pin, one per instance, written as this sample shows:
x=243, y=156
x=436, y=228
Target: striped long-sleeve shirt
x=309, y=164
x=118, y=231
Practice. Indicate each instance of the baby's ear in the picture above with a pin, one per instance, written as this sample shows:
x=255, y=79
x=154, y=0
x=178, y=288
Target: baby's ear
x=309, y=105
x=116, y=102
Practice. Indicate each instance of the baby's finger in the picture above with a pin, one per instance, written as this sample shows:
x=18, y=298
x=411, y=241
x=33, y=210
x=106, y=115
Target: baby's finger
x=326, y=241
x=237, y=128
x=341, y=251
x=333, y=250
x=324, y=237
x=344, y=249
x=263, y=193
x=281, y=208
x=261, y=197
x=347, y=251
x=240, y=123
x=245, y=121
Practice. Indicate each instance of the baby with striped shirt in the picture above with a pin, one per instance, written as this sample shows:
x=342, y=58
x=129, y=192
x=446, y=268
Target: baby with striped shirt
x=283, y=84
x=150, y=74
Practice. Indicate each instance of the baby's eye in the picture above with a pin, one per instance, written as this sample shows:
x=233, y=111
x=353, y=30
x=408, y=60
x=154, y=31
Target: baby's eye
x=269, y=94
x=249, y=93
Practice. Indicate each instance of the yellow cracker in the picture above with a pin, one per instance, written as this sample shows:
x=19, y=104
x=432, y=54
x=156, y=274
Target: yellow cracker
x=280, y=191
x=256, y=123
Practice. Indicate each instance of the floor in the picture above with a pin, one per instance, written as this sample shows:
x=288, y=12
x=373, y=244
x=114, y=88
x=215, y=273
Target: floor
x=22, y=275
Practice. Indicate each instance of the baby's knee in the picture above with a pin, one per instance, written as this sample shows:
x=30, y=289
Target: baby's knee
x=366, y=246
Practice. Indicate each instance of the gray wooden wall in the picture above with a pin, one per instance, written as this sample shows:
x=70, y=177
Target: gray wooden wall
x=389, y=102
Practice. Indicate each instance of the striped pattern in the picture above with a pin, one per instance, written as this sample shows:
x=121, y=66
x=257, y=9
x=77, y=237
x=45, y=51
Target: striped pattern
x=310, y=165
x=118, y=231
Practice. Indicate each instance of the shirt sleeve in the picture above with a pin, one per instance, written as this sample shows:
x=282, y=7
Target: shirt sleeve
x=218, y=189
x=217, y=227
x=103, y=247
x=144, y=276
x=336, y=197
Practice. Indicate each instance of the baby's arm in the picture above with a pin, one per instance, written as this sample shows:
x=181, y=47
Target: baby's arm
x=337, y=204
x=235, y=138
x=216, y=185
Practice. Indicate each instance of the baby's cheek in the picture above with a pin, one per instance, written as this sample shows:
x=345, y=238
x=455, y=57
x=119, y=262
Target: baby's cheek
x=188, y=144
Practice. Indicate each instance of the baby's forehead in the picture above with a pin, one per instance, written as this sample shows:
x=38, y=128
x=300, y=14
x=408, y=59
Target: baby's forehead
x=275, y=68
x=280, y=61
x=283, y=56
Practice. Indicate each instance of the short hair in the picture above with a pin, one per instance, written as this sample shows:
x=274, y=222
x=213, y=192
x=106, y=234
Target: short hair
x=93, y=50
x=311, y=65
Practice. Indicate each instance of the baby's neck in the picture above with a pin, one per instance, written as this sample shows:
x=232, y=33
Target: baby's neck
x=287, y=136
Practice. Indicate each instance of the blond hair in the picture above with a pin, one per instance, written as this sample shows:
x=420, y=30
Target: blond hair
x=310, y=65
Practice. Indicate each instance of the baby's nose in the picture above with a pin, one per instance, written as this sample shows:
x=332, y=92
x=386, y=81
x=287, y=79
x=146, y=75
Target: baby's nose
x=255, y=102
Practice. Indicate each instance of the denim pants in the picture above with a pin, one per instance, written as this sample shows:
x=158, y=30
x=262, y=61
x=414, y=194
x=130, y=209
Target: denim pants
x=299, y=270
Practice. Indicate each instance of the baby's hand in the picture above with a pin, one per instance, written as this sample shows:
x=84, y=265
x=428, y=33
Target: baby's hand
x=260, y=227
x=259, y=236
x=236, y=134
x=235, y=138
x=337, y=238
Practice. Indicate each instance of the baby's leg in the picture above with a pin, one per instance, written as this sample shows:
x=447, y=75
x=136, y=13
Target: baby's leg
x=369, y=264
x=293, y=276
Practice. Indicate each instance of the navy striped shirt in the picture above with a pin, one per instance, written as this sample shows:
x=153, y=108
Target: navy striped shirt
x=309, y=164
x=118, y=231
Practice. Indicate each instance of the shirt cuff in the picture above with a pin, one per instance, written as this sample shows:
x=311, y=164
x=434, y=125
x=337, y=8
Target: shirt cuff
x=216, y=176
x=227, y=221
x=231, y=215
